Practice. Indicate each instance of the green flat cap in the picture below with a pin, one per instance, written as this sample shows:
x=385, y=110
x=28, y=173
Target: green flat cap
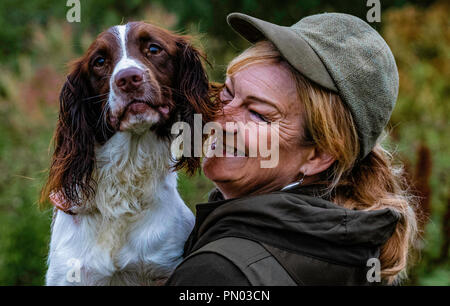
x=342, y=53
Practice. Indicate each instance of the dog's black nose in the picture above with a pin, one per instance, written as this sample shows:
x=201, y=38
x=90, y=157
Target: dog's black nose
x=129, y=79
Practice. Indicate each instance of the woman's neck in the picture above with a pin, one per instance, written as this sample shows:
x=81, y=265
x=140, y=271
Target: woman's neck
x=231, y=190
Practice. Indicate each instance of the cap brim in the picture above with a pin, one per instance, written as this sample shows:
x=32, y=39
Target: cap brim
x=288, y=41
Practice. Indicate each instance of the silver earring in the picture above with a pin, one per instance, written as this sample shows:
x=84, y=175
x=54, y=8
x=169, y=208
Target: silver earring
x=301, y=180
x=295, y=184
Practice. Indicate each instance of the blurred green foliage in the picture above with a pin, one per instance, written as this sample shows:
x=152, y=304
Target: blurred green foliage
x=36, y=42
x=19, y=18
x=420, y=41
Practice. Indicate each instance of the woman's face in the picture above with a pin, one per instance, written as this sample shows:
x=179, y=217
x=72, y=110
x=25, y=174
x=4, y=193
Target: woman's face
x=259, y=94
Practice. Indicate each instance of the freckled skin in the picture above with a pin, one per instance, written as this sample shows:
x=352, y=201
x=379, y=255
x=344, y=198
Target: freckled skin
x=237, y=176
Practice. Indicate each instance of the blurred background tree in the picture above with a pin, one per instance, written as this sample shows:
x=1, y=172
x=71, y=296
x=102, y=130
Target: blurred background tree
x=36, y=42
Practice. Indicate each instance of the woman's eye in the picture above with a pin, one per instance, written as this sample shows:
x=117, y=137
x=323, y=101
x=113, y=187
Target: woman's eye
x=226, y=95
x=99, y=62
x=154, y=49
x=259, y=117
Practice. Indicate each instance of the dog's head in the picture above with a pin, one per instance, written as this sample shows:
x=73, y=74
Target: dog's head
x=133, y=78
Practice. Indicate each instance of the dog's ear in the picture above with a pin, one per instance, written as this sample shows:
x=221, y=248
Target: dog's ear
x=193, y=96
x=73, y=159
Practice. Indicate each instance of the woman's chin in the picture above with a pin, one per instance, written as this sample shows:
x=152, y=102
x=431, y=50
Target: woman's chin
x=224, y=168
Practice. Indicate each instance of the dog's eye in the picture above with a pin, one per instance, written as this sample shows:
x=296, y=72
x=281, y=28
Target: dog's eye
x=99, y=61
x=154, y=49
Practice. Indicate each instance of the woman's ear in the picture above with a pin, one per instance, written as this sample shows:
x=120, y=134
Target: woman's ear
x=316, y=162
x=73, y=159
x=193, y=96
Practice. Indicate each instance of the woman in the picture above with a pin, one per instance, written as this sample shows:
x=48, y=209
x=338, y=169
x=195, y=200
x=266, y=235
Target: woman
x=334, y=207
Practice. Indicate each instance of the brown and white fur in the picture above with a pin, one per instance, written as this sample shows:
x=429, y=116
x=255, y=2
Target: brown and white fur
x=121, y=220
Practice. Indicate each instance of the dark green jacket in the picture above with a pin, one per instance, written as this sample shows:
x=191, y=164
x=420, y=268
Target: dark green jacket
x=316, y=241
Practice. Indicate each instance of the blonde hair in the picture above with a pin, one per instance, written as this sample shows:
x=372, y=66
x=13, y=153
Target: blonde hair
x=368, y=184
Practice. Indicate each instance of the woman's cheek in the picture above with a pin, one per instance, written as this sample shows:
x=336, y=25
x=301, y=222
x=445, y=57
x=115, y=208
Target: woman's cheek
x=256, y=138
x=247, y=139
x=262, y=140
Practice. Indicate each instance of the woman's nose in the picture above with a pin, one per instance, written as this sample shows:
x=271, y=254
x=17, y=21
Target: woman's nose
x=231, y=115
x=234, y=110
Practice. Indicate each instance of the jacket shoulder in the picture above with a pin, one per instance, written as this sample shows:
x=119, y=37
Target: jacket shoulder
x=207, y=269
x=251, y=258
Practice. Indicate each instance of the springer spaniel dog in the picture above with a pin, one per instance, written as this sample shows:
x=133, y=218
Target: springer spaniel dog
x=119, y=218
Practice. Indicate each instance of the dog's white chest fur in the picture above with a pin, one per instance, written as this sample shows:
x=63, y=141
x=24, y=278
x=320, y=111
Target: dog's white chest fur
x=134, y=229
